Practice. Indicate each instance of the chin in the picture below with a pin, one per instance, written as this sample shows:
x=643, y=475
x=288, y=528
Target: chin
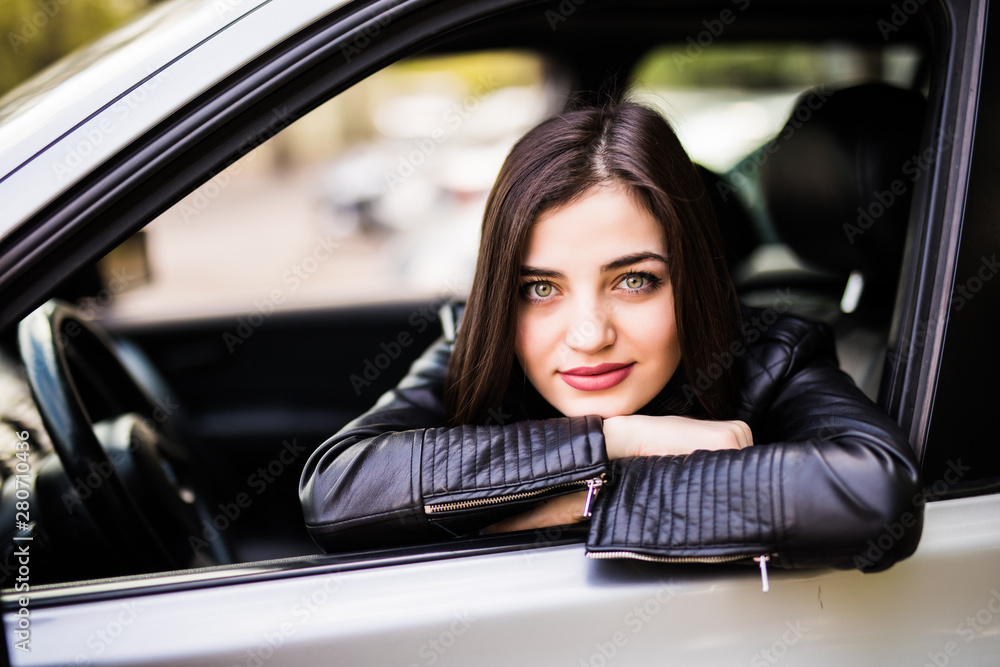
x=604, y=409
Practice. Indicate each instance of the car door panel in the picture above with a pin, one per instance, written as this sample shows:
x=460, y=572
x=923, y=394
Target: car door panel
x=552, y=605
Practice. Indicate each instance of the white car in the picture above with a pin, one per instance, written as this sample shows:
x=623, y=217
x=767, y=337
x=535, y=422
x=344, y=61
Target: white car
x=153, y=519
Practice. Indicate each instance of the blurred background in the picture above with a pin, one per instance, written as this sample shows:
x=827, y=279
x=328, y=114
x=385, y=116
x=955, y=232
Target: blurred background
x=39, y=32
x=377, y=195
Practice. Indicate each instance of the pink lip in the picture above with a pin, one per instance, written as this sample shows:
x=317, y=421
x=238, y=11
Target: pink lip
x=596, y=378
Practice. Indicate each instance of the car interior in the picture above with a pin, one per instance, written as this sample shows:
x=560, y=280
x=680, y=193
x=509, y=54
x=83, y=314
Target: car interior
x=228, y=391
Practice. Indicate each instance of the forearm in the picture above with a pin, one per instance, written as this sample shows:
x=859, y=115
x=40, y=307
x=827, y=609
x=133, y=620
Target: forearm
x=430, y=483
x=628, y=436
x=839, y=472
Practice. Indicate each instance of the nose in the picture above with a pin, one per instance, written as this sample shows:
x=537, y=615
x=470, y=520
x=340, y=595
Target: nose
x=591, y=328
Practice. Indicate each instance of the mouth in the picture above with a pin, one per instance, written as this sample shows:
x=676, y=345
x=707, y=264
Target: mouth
x=596, y=378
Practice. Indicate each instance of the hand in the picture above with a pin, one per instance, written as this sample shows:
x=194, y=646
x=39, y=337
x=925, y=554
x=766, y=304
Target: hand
x=672, y=435
x=558, y=511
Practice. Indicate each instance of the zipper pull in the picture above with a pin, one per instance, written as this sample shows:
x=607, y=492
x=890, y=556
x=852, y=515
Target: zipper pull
x=593, y=485
x=765, y=586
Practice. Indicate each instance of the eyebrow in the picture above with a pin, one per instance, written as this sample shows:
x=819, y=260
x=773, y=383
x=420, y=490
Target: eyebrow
x=621, y=262
x=634, y=258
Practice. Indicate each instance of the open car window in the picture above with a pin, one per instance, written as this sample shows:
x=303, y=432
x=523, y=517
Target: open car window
x=296, y=285
x=372, y=201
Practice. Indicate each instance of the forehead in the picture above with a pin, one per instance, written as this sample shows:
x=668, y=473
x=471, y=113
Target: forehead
x=601, y=225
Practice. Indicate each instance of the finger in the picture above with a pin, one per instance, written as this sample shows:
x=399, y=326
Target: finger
x=738, y=431
x=746, y=435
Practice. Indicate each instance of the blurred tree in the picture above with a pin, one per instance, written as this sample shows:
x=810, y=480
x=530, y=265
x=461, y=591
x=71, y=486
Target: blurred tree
x=36, y=33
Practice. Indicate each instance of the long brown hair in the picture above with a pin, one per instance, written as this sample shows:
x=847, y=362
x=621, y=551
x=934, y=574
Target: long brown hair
x=621, y=144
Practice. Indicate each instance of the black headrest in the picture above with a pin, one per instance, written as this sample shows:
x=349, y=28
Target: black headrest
x=839, y=178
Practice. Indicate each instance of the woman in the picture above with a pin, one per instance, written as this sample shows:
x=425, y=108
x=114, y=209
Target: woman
x=566, y=394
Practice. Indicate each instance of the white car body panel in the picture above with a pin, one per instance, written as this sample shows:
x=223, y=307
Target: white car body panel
x=555, y=606
x=54, y=139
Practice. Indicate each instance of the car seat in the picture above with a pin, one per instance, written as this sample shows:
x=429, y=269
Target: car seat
x=837, y=185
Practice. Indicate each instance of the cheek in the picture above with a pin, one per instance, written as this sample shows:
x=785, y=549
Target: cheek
x=523, y=341
x=532, y=344
x=657, y=335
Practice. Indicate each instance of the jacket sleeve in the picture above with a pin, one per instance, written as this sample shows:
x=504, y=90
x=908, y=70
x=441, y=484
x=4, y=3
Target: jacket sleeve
x=831, y=480
x=395, y=475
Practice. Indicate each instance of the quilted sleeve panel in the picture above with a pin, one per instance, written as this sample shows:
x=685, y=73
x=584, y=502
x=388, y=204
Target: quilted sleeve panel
x=828, y=474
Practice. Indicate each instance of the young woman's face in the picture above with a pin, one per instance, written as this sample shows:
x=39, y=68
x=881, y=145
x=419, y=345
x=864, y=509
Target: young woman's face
x=596, y=333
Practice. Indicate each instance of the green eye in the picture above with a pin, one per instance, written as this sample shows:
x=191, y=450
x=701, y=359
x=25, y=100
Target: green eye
x=634, y=282
x=541, y=289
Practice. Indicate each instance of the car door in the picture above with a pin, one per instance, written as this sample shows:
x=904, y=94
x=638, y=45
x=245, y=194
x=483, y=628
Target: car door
x=536, y=598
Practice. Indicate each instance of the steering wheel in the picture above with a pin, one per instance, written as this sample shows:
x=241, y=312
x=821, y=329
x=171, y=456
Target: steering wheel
x=137, y=484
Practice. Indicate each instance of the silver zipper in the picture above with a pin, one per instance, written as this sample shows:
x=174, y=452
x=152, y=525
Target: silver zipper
x=764, y=584
x=607, y=555
x=762, y=559
x=592, y=486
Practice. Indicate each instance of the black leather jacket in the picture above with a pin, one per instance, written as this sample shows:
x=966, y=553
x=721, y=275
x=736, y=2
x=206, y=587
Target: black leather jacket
x=829, y=478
